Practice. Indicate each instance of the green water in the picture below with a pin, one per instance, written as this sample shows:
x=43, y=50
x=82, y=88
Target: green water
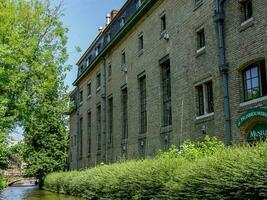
x=31, y=193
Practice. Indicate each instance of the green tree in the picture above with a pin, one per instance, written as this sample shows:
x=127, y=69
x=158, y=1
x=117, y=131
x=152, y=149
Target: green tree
x=32, y=70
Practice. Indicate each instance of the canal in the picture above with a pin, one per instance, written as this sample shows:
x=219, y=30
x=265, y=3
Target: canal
x=28, y=192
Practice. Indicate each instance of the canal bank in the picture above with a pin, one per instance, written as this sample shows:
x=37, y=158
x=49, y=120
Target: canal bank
x=29, y=192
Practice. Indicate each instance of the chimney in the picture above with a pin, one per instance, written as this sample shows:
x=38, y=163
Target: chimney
x=108, y=19
x=113, y=14
x=100, y=29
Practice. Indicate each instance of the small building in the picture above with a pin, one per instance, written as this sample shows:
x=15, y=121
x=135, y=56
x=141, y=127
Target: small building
x=162, y=72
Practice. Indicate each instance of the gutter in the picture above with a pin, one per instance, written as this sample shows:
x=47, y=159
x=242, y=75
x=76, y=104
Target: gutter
x=219, y=20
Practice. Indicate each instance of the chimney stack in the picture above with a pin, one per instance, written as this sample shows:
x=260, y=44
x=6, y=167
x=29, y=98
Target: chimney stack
x=100, y=29
x=113, y=14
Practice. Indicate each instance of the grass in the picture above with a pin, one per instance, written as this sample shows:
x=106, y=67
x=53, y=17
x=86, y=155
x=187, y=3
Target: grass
x=202, y=170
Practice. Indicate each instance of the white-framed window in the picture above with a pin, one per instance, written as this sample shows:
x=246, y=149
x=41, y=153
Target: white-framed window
x=201, y=41
x=254, y=81
x=140, y=42
x=246, y=10
x=205, y=103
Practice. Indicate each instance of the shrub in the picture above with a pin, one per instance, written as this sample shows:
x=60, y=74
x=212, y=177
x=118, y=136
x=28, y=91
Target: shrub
x=199, y=170
x=194, y=149
x=2, y=182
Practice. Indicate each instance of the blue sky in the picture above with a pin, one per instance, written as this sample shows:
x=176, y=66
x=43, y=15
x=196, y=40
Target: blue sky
x=82, y=18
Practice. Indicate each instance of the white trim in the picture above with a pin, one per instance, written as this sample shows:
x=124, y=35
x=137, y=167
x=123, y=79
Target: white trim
x=253, y=101
x=205, y=116
x=89, y=96
x=247, y=21
x=98, y=89
x=201, y=50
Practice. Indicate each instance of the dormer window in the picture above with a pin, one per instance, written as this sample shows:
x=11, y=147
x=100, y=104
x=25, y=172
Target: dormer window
x=108, y=37
x=88, y=61
x=96, y=51
x=81, y=69
x=139, y=3
x=122, y=21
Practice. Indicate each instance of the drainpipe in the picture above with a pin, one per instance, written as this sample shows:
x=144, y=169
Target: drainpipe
x=219, y=20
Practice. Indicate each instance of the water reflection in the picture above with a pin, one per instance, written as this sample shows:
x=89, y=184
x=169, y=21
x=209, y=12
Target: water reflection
x=31, y=193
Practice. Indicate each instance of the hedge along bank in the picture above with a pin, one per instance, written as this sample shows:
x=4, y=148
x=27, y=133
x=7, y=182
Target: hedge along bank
x=198, y=171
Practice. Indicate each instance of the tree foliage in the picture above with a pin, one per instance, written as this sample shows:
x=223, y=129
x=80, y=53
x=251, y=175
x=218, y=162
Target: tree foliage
x=32, y=70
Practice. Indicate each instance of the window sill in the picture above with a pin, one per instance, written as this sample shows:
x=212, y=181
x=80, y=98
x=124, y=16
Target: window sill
x=207, y=115
x=254, y=101
x=98, y=89
x=201, y=51
x=89, y=97
x=246, y=24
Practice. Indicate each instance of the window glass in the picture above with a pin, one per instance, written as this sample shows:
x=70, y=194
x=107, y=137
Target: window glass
x=125, y=113
x=143, y=102
x=166, y=92
x=163, y=23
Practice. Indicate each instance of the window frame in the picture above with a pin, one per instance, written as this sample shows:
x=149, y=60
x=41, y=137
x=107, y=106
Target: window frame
x=99, y=133
x=89, y=89
x=123, y=58
x=109, y=71
x=201, y=39
x=110, y=120
x=143, y=104
x=163, y=23
x=98, y=81
x=89, y=131
x=81, y=96
x=124, y=95
x=166, y=93
x=141, y=42
x=246, y=10
x=205, y=98
x=261, y=80
x=81, y=137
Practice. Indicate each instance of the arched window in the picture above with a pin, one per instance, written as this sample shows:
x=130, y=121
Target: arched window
x=254, y=81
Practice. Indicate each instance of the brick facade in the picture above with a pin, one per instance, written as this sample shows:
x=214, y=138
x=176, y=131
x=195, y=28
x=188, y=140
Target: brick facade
x=190, y=67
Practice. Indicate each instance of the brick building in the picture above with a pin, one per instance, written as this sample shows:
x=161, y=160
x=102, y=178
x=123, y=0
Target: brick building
x=163, y=71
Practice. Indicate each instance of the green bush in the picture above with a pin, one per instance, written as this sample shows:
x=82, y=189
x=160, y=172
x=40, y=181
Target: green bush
x=2, y=182
x=194, y=149
x=199, y=170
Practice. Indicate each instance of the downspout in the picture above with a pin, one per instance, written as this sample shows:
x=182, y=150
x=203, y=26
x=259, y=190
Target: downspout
x=219, y=20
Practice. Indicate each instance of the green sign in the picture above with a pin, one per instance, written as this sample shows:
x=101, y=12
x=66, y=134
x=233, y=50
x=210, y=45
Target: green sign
x=259, y=131
x=256, y=113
